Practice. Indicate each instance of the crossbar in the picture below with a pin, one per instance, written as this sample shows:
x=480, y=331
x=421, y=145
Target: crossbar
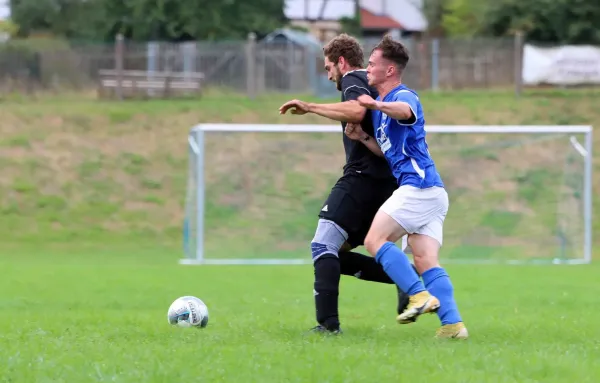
x=298, y=128
x=151, y=84
x=150, y=74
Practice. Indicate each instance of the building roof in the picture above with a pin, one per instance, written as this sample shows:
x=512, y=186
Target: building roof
x=311, y=9
x=298, y=37
x=369, y=20
x=406, y=13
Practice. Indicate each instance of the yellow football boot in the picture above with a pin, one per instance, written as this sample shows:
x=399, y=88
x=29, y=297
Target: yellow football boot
x=452, y=331
x=418, y=304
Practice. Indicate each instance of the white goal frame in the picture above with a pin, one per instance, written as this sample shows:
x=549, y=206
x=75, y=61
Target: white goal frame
x=196, y=142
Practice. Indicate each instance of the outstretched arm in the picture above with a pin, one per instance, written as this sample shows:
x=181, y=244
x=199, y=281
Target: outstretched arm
x=398, y=110
x=348, y=111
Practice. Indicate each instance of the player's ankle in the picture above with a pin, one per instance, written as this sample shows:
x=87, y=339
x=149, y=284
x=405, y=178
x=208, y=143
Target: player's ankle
x=331, y=324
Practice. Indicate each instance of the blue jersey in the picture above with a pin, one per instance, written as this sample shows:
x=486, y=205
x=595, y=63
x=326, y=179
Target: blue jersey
x=403, y=142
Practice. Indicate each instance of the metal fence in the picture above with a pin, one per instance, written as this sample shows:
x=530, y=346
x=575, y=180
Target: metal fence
x=251, y=66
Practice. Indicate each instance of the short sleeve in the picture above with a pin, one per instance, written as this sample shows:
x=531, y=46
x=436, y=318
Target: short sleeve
x=412, y=100
x=353, y=87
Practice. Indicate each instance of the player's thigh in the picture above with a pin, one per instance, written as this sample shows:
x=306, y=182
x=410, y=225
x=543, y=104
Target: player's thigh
x=350, y=204
x=414, y=208
x=341, y=207
x=370, y=194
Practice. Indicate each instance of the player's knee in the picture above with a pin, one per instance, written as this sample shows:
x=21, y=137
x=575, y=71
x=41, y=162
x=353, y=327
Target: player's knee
x=383, y=229
x=328, y=240
x=373, y=242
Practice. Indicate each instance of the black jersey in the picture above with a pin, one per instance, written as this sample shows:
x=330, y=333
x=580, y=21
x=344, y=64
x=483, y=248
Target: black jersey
x=359, y=159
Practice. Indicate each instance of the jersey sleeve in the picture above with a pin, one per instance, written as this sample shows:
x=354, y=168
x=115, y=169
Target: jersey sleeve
x=412, y=100
x=353, y=87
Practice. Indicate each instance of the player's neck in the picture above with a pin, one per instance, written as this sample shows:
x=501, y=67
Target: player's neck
x=385, y=88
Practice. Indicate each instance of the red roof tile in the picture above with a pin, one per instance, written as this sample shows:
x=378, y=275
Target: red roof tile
x=369, y=20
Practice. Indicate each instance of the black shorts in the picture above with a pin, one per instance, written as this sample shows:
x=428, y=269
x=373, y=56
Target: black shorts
x=353, y=203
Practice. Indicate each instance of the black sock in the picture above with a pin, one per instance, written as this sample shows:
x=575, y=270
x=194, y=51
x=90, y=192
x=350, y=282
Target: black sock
x=327, y=281
x=363, y=267
x=366, y=268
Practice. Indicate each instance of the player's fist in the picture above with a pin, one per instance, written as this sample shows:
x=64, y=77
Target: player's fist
x=354, y=131
x=367, y=101
x=296, y=107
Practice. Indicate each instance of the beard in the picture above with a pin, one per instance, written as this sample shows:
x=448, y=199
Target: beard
x=338, y=82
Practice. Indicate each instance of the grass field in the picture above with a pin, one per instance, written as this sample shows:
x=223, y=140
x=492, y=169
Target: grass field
x=97, y=318
x=91, y=208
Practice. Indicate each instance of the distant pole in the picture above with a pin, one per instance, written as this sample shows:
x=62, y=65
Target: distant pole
x=119, y=52
x=518, y=64
x=251, y=65
x=435, y=64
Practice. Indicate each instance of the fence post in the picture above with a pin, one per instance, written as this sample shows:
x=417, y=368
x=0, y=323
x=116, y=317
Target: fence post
x=518, y=64
x=251, y=65
x=152, y=62
x=435, y=64
x=119, y=53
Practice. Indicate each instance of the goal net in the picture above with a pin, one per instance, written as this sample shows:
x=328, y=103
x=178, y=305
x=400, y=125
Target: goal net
x=518, y=194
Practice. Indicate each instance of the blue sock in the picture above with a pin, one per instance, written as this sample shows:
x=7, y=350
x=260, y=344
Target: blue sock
x=438, y=284
x=396, y=264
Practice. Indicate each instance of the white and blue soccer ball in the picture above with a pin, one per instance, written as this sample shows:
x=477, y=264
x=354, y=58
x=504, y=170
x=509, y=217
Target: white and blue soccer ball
x=188, y=311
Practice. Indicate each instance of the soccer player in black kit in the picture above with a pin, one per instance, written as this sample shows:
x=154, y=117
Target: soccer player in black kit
x=367, y=182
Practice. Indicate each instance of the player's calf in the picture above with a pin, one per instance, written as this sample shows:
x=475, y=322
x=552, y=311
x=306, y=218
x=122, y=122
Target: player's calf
x=436, y=279
x=325, y=246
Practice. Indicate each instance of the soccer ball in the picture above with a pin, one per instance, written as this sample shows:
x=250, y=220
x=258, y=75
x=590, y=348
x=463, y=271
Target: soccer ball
x=188, y=311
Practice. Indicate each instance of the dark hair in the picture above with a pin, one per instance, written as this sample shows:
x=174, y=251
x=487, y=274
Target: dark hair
x=393, y=51
x=347, y=47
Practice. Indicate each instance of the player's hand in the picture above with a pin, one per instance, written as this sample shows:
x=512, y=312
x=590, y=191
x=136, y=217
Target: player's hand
x=354, y=131
x=367, y=101
x=296, y=106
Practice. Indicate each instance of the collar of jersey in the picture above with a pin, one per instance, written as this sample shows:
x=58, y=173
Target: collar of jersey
x=355, y=70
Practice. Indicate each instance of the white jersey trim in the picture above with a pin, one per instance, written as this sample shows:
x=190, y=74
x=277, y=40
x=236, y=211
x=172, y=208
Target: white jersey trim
x=415, y=165
x=411, y=109
x=356, y=86
x=352, y=71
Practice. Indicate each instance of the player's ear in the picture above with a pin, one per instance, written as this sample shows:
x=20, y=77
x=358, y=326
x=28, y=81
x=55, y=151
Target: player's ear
x=341, y=62
x=391, y=70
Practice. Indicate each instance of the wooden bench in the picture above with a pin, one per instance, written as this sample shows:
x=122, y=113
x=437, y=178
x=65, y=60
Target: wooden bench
x=137, y=83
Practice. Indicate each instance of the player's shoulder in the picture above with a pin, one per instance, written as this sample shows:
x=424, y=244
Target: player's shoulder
x=357, y=74
x=403, y=93
x=355, y=78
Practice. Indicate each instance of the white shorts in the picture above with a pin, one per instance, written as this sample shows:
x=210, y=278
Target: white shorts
x=418, y=211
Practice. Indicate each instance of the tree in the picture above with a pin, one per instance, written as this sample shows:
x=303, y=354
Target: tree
x=463, y=17
x=552, y=21
x=144, y=20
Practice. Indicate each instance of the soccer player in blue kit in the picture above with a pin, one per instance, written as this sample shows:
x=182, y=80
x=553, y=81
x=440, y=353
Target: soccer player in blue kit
x=419, y=206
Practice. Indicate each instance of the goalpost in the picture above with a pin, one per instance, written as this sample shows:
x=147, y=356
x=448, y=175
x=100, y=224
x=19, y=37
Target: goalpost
x=518, y=194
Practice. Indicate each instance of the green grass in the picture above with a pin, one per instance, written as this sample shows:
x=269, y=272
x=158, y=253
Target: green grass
x=97, y=317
